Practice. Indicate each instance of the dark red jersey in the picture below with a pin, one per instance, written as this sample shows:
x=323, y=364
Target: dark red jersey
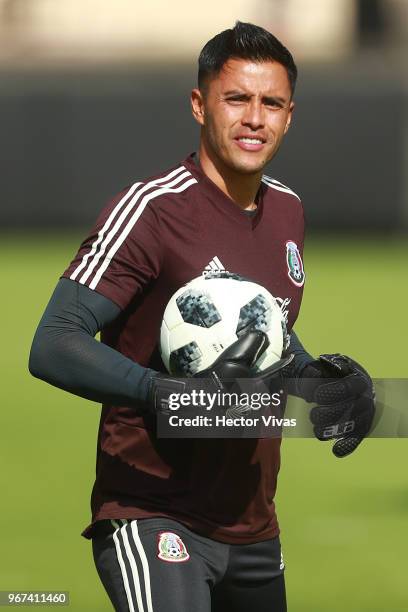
x=151, y=239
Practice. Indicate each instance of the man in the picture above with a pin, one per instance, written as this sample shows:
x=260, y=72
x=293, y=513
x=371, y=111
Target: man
x=192, y=525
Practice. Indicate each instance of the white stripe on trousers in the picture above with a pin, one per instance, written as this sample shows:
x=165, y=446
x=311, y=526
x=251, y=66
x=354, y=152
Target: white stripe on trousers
x=135, y=574
x=123, y=567
x=131, y=223
x=145, y=565
x=101, y=234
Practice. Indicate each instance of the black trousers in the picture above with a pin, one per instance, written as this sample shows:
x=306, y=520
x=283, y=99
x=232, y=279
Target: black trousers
x=158, y=565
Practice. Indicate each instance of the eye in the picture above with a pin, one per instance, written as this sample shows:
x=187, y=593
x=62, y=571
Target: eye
x=273, y=104
x=236, y=100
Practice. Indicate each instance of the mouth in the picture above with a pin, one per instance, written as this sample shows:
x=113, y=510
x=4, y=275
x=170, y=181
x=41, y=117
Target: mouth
x=250, y=143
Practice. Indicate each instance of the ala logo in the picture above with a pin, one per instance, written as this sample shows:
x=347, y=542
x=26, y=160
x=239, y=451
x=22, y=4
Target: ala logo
x=341, y=429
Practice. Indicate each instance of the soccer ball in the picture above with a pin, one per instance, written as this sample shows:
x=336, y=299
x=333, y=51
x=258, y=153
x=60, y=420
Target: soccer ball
x=211, y=312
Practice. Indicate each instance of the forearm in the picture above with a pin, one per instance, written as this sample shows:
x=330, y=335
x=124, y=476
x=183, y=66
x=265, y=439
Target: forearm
x=66, y=354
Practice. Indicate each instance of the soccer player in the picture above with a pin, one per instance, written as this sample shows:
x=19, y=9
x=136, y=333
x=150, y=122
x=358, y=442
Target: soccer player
x=191, y=525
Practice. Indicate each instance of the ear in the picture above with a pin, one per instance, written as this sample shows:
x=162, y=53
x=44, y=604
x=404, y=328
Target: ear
x=289, y=117
x=197, y=105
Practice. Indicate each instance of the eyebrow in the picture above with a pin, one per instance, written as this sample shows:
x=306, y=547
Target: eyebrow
x=268, y=99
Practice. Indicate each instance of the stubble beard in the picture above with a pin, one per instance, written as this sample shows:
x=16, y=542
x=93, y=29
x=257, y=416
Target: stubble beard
x=224, y=157
x=241, y=167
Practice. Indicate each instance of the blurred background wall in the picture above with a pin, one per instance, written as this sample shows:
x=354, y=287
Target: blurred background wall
x=95, y=95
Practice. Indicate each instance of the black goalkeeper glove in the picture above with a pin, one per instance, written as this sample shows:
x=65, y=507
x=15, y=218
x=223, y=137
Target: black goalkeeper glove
x=236, y=362
x=345, y=398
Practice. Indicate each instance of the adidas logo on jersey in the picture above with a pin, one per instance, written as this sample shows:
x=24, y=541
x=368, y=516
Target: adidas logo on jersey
x=214, y=267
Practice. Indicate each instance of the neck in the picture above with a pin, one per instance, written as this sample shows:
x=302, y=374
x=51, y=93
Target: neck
x=241, y=188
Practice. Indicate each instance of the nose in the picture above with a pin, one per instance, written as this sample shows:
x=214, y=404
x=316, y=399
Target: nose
x=254, y=115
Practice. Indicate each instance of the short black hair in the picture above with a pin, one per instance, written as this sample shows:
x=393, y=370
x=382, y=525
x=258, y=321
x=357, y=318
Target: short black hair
x=244, y=41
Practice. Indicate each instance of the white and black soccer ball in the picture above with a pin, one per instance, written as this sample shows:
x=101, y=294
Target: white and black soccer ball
x=211, y=312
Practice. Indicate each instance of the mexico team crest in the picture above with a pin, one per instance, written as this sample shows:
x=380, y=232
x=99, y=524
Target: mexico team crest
x=171, y=548
x=295, y=264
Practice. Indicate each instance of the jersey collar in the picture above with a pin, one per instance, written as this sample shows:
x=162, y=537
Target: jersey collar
x=220, y=199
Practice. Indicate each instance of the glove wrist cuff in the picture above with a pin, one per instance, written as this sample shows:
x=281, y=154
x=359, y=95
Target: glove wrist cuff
x=161, y=387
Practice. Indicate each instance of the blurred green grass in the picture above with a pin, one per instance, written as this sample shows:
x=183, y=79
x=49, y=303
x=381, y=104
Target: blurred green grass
x=344, y=523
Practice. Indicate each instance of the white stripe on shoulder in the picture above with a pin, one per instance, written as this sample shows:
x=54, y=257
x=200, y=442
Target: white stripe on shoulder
x=101, y=241
x=169, y=188
x=145, y=565
x=102, y=231
x=123, y=567
x=117, y=227
x=278, y=186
